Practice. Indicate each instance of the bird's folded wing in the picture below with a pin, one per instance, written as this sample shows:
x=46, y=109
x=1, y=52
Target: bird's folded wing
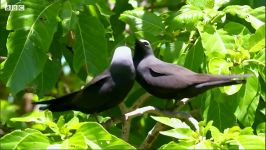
x=170, y=69
x=100, y=78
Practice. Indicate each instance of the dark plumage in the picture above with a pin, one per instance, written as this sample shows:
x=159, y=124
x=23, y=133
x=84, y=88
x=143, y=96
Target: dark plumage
x=104, y=91
x=170, y=81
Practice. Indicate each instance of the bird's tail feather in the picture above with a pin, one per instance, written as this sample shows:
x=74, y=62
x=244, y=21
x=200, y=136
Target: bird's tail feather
x=237, y=76
x=220, y=83
x=59, y=104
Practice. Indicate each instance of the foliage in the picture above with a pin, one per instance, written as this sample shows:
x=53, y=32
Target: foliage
x=231, y=138
x=51, y=37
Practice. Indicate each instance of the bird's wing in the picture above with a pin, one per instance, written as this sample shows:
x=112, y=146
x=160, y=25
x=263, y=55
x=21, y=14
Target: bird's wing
x=100, y=78
x=163, y=68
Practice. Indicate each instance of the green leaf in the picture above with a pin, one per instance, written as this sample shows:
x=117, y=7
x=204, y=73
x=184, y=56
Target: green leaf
x=188, y=18
x=172, y=122
x=249, y=100
x=260, y=129
x=90, y=49
x=143, y=22
x=219, y=66
x=216, y=134
x=195, y=56
x=244, y=12
x=77, y=141
x=259, y=13
x=48, y=77
x=8, y=110
x=204, y=144
x=69, y=18
x=257, y=41
x=202, y=4
x=179, y=133
x=251, y=142
x=26, y=46
x=215, y=42
x=28, y=139
x=220, y=109
x=174, y=52
x=174, y=145
x=95, y=136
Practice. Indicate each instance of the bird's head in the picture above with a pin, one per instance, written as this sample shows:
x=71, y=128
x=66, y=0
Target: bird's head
x=143, y=48
x=122, y=54
x=122, y=62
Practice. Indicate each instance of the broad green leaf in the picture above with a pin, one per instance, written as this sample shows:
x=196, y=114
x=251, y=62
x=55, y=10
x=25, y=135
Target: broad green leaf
x=104, y=8
x=219, y=66
x=251, y=142
x=90, y=49
x=215, y=42
x=143, y=22
x=219, y=3
x=216, y=134
x=99, y=137
x=257, y=41
x=174, y=145
x=77, y=141
x=69, y=18
x=220, y=109
x=244, y=12
x=174, y=52
x=179, y=133
x=249, y=100
x=195, y=57
x=259, y=13
x=48, y=77
x=27, y=139
x=26, y=46
x=234, y=28
x=8, y=110
x=172, y=122
x=188, y=18
x=35, y=116
x=202, y=4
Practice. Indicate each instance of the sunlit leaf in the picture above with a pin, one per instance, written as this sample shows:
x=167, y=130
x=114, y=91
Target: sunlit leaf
x=28, y=139
x=144, y=23
x=179, y=133
x=249, y=100
x=172, y=122
x=215, y=42
x=245, y=13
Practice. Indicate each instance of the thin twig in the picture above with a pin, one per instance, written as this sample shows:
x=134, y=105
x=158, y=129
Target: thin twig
x=126, y=123
x=152, y=135
x=2, y=58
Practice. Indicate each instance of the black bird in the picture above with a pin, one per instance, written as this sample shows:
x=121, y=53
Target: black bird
x=104, y=91
x=169, y=81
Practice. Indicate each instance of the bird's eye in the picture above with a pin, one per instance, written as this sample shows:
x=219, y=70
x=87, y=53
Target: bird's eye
x=146, y=43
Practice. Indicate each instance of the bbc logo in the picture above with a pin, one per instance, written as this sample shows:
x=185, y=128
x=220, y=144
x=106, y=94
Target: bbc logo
x=14, y=8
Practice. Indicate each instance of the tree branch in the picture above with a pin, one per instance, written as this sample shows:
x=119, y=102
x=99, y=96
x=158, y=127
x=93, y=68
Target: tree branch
x=152, y=135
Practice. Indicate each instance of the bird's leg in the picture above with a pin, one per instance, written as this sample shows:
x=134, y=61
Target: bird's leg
x=170, y=104
x=180, y=104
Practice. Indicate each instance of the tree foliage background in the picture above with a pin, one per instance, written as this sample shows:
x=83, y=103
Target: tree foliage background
x=54, y=47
